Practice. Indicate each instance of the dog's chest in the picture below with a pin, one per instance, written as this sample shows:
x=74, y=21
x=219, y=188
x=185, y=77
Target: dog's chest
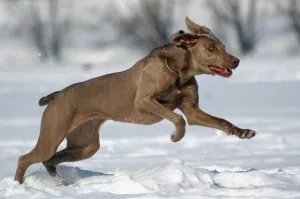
x=173, y=94
x=169, y=96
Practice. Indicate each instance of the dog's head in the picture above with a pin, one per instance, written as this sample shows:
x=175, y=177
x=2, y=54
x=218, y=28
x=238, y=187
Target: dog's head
x=207, y=50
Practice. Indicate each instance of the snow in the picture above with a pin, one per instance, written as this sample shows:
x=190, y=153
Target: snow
x=137, y=161
x=170, y=179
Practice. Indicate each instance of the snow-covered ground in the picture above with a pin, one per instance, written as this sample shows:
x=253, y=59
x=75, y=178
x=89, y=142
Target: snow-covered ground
x=141, y=162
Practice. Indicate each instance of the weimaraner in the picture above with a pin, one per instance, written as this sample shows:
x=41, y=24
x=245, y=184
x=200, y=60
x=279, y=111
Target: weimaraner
x=146, y=93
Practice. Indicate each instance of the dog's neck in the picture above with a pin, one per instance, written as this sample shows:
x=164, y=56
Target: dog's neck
x=179, y=60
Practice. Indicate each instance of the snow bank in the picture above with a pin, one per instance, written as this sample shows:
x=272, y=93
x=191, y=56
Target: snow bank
x=176, y=178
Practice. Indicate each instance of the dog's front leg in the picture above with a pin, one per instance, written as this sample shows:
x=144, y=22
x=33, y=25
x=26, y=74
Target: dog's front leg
x=151, y=105
x=196, y=116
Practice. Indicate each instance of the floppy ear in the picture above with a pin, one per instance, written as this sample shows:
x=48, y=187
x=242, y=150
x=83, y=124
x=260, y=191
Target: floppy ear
x=185, y=39
x=195, y=28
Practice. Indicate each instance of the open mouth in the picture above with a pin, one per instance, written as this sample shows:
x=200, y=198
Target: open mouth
x=220, y=71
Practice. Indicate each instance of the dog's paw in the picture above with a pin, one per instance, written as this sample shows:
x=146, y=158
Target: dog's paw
x=247, y=134
x=50, y=169
x=176, y=137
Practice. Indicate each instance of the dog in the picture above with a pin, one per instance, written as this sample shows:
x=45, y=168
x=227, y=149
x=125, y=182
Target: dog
x=146, y=93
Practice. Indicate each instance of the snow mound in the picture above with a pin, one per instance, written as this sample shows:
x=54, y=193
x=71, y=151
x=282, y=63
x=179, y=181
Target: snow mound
x=175, y=177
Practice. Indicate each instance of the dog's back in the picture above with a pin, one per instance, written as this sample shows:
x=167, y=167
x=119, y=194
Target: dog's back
x=122, y=84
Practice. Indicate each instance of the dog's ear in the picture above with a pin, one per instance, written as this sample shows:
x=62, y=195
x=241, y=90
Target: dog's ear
x=185, y=39
x=195, y=28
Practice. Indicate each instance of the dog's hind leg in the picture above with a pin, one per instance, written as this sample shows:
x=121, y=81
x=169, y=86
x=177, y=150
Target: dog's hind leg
x=82, y=143
x=55, y=123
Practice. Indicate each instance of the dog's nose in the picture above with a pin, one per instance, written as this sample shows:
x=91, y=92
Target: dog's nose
x=235, y=62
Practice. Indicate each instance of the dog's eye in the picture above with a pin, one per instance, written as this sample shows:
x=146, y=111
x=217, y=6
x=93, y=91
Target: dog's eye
x=212, y=48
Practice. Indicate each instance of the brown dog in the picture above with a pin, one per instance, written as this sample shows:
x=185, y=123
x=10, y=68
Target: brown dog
x=146, y=93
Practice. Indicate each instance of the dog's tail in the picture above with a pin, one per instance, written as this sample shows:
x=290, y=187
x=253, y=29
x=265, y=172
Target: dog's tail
x=45, y=100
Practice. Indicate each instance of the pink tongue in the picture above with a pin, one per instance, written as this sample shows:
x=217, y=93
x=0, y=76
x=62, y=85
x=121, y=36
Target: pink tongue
x=221, y=71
